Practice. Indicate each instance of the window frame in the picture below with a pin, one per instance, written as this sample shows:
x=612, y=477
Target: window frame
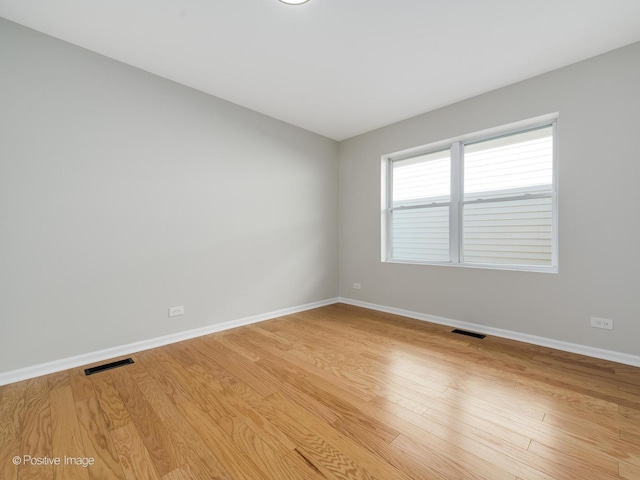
x=456, y=200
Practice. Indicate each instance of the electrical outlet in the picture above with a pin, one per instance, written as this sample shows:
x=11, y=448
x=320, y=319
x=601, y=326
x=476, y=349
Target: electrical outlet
x=605, y=323
x=175, y=311
x=357, y=286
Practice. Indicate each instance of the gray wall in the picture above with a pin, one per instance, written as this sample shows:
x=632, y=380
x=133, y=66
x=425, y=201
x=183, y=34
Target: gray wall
x=122, y=194
x=599, y=211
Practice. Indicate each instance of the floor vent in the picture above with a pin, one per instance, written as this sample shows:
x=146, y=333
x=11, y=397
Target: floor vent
x=468, y=334
x=107, y=366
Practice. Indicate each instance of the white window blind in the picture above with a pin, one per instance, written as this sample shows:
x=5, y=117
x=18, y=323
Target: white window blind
x=420, y=207
x=482, y=200
x=507, y=207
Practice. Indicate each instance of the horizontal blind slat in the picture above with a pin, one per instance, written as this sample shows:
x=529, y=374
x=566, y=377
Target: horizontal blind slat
x=508, y=233
x=420, y=234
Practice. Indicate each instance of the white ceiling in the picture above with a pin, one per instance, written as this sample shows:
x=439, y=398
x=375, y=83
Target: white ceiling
x=339, y=67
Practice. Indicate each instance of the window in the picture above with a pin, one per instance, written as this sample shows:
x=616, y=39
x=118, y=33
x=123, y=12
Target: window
x=486, y=199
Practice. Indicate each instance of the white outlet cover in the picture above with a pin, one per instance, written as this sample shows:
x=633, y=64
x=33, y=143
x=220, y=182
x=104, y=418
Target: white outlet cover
x=605, y=323
x=175, y=311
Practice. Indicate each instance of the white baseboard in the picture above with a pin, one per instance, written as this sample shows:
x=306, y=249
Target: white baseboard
x=594, y=352
x=108, y=353
x=130, y=348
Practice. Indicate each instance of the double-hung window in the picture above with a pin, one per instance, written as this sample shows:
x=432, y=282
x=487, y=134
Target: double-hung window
x=486, y=200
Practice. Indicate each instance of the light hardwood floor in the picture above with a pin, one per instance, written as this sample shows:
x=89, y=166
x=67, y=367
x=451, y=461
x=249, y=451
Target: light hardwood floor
x=337, y=392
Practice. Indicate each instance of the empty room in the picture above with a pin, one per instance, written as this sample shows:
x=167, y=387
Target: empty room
x=319, y=239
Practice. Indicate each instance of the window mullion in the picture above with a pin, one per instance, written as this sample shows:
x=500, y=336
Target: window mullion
x=554, y=198
x=387, y=212
x=454, y=209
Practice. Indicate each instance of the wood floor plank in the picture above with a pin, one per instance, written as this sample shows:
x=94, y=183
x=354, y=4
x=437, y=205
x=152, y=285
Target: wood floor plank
x=36, y=472
x=629, y=472
x=12, y=414
x=479, y=430
x=289, y=415
x=457, y=462
x=629, y=436
x=281, y=372
x=420, y=340
x=58, y=379
x=178, y=474
x=111, y=404
x=241, y=368
x=36, y=435
x=237, y=407
x=81, y=385
x=303, y=467
x=370, y=376
x=222, y=339
x=198, y=353
x=285, y=341
x=234, y=460
x=258, y=449
x=595, y=396
x=589, y=438
x=627, y=374
x=132, y=454
x=156, y=365
x=353, y=346
x=572, y=463
x=272, y=354
x=200, y=392
x=337, y=392
x=385, y=450
x=97, y=441
x=505, y=455
x=148, y=423
x=66, y=435
x=199, y=462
